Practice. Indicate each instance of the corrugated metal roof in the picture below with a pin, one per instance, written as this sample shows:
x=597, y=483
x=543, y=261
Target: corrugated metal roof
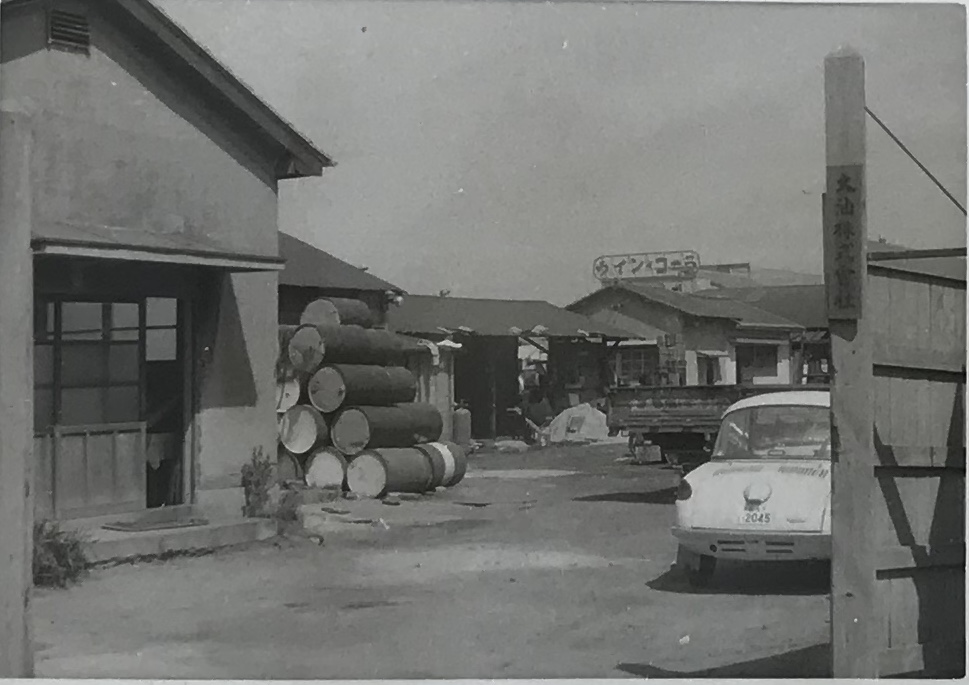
x=883, y=245
x=948, y=264
x=705, y=307
x=311, y=267
x=802, y=304
x=428, y=314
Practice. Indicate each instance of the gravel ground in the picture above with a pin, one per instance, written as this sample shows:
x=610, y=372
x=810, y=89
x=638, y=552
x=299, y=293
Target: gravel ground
x=555, y=563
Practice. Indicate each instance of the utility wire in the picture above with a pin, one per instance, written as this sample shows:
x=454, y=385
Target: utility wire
x=915, y=159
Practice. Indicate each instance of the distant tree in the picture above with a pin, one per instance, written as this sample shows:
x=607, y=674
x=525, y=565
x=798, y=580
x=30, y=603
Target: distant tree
x=443, y=293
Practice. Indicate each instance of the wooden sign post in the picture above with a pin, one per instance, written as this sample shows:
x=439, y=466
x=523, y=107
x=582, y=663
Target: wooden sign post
x=853, y=613
x=16, y=397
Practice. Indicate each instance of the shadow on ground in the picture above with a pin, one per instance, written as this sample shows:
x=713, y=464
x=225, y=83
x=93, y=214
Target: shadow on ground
x=808, y=662
x=664, y=496
x=753, y=578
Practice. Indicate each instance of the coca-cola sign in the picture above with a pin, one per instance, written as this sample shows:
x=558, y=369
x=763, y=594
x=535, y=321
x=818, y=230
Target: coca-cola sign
x=646, y=265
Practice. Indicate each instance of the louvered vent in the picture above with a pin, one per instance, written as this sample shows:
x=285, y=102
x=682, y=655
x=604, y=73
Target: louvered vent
x=69, y=30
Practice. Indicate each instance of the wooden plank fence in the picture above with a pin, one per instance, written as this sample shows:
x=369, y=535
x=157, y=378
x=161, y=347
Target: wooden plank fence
x=898, y=344
x=918, y=340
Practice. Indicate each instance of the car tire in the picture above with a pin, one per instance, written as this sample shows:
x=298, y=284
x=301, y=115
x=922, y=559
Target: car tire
x=686, y=559
x=701, y=574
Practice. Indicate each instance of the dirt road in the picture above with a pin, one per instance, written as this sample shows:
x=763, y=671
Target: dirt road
x=551, y=564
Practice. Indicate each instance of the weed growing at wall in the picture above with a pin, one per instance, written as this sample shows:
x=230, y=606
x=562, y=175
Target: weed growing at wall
x=59, y=557
x=258, y=477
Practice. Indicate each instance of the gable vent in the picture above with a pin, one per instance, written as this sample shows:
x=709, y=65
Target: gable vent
x=69, y=30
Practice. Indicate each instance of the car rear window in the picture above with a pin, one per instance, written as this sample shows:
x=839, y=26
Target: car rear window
x=775, y=432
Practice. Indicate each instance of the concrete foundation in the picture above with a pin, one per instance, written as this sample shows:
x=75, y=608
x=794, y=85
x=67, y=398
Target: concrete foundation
x=109, y=545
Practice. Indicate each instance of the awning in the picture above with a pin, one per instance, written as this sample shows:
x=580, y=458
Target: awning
x=102, y=242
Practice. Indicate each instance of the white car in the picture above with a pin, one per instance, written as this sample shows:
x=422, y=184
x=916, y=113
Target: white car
x=765, y=494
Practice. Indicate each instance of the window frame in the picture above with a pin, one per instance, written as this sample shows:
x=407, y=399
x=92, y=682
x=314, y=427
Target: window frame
x=53, y=337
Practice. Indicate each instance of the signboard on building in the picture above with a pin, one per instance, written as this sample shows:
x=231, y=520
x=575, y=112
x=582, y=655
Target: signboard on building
x=680, y=263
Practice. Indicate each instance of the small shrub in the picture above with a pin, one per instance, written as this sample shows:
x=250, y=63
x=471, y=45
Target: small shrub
x=59, y=557
x=288, y=509
x=258, y=477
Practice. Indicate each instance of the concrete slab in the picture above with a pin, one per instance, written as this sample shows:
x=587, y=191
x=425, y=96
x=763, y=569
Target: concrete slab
x=112, y=545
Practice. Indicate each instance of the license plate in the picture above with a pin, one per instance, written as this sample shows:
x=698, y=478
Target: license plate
x=755, y=518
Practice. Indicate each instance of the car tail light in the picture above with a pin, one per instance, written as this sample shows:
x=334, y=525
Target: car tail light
x=684, y=491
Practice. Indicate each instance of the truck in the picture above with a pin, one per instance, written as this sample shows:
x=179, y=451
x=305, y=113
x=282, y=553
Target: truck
x=677, y=424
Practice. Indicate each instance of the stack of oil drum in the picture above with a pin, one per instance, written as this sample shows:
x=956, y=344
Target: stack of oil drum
x=347, y=416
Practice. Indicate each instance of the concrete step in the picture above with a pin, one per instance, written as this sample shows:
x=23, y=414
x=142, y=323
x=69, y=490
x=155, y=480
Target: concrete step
x=111, y=545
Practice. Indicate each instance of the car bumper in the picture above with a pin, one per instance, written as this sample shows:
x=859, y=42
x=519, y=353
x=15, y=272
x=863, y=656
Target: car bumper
x=755, y=545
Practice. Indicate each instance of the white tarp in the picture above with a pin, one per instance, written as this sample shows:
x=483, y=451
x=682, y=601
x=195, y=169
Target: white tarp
x=580, y=424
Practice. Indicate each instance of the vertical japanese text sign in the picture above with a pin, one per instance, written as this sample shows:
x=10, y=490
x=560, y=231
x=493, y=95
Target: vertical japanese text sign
x=844, y=248
x=845, y=233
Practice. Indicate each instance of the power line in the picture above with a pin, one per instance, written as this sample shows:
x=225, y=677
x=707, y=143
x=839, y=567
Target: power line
x=915, y=159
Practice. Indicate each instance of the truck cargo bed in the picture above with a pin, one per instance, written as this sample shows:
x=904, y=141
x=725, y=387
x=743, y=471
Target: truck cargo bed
x=672, y=409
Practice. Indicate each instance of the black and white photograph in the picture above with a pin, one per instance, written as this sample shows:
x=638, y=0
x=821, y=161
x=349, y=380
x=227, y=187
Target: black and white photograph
x=482, y=339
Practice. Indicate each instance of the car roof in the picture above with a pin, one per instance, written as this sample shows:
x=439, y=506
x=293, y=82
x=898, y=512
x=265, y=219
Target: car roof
x=802, y=398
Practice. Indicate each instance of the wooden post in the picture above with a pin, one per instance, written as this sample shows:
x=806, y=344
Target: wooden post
x=16, y=397
x=493, y=390
x=853, y=627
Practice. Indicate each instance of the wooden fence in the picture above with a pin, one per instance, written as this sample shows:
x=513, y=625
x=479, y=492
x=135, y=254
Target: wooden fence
x=905, y=559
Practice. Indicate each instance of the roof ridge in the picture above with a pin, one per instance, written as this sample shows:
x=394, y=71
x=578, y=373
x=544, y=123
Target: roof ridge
x=151, y=6
x=672, y=295
x=483, y=299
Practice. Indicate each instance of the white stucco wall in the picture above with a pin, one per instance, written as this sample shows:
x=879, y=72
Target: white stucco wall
x=236, y=350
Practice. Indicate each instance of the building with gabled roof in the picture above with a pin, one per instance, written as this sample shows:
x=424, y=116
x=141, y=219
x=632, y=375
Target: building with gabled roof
x=802, y=304
x=146, y=180
x=688, y=339
x=311, y=273
x=486, y=369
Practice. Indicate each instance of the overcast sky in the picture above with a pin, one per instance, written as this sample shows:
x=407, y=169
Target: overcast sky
x=496, y=148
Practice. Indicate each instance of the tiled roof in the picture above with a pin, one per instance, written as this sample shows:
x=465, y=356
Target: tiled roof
x=428, y=315
x=948, y=264
x=744, y=314
x=802, y=304
x=310, y=266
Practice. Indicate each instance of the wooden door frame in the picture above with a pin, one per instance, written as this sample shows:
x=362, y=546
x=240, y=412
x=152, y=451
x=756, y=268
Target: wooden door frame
x=190, y=399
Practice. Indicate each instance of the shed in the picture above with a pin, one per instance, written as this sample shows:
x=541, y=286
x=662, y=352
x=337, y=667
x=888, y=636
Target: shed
x=311, y=273
x=487, y=369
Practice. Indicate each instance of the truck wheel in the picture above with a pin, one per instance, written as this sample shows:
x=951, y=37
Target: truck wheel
x=701, y=575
